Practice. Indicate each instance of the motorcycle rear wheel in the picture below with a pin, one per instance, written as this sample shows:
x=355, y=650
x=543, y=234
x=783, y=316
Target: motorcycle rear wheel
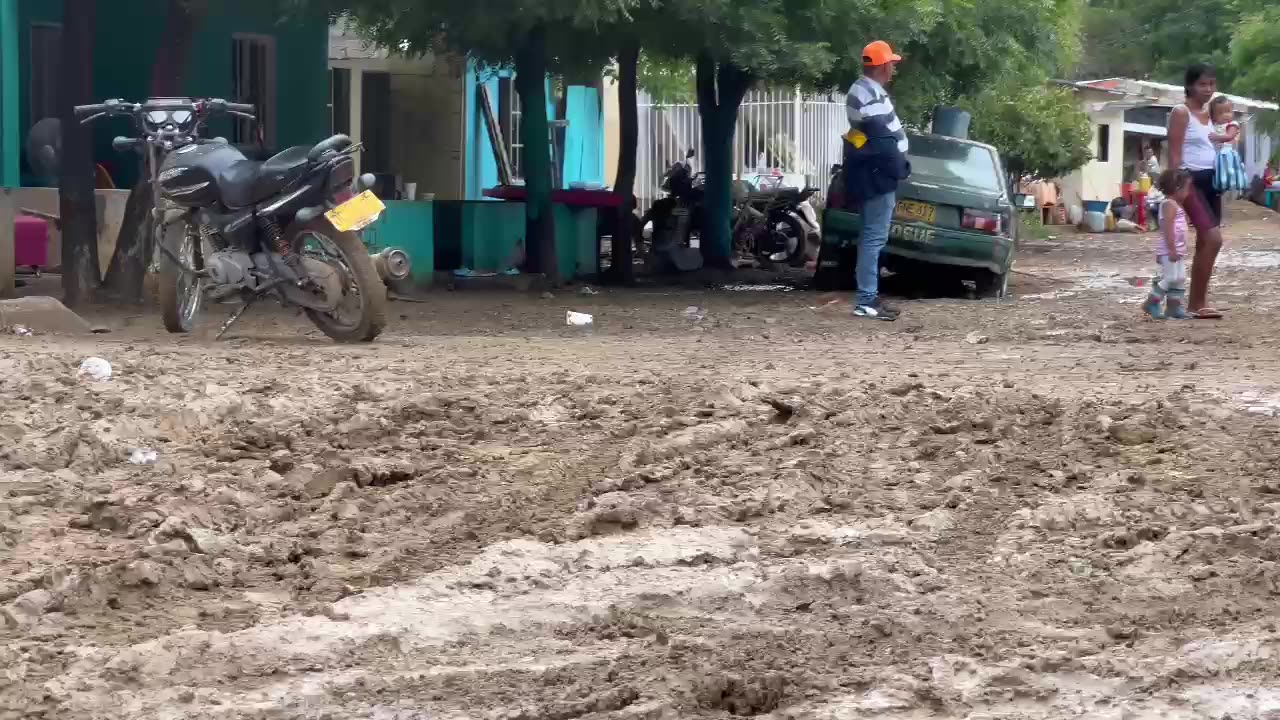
x=353, y=263
x=181, y=294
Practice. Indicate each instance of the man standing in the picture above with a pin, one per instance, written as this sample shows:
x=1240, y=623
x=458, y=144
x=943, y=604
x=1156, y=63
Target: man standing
x=873, y=169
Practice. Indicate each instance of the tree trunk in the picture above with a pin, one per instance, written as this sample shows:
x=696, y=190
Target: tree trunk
x=721, y=87
x=77, y=204
x=623, y=268
x=531, y=78
x=135, y=244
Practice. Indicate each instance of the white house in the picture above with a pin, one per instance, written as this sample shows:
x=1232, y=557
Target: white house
x=1128, y=116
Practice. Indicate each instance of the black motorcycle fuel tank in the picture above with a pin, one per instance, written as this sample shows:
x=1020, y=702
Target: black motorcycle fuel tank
x=189, y=175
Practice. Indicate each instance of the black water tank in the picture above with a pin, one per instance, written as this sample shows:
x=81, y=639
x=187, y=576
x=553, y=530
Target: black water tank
x=951, y=121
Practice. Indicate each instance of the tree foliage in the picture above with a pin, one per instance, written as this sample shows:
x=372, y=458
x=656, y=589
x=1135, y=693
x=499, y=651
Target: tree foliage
x=1040, y=133
x=963, y=48
x=1157, y=39
x=1255, y=54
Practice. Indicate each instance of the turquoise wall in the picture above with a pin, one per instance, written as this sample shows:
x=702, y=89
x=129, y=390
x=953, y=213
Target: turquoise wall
x=584, y=138
x=10, y=97
x=124, y=49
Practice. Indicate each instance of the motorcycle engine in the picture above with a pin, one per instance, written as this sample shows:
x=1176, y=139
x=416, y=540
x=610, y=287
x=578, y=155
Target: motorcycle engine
x=231, y=267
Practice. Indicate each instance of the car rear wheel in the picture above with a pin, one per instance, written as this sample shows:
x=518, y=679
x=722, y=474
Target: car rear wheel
x=993, y=284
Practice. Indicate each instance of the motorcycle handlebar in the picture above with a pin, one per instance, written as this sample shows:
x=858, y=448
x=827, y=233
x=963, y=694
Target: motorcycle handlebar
x=219, y=105
x=84, y=111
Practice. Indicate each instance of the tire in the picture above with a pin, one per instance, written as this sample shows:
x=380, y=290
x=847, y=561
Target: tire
x=179, y=302
x=373, y=293
x=993, y=284
x=796, y=255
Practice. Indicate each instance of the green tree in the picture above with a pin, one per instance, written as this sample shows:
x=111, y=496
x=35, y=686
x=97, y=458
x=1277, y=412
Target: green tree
x=1157, y=39
x=966, y=47
x=1040, y=133
x=1255, y=54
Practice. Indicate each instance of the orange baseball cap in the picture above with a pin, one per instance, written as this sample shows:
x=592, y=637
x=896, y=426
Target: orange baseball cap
x=879, y=53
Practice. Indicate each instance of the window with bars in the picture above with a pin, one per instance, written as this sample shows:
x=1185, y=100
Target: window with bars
x=253, y=81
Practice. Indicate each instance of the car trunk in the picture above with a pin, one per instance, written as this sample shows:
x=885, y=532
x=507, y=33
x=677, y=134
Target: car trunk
x=949, y=202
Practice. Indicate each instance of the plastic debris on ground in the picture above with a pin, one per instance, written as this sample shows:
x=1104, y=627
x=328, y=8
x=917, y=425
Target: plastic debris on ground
x=21, y=331
x=95, y=369
x=694, y=313
x=588, y=290
x=577, y=319
x=977, y=338
x=742, y=287
x=143, y=456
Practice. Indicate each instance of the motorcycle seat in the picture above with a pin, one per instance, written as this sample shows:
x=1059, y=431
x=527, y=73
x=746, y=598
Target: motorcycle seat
x=247, y=182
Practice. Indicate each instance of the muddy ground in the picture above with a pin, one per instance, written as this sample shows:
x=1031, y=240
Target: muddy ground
x=1042, y=507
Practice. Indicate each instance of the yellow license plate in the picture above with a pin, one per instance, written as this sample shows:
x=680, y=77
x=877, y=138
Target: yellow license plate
x=356, y=213
x=916, y=211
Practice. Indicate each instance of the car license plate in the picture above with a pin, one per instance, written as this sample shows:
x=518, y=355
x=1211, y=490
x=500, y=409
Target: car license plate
x=357, y=213
x=915, y=211
x=911, y=233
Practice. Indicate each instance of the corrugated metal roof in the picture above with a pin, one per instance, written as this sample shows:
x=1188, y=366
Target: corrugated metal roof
x=1163, y=91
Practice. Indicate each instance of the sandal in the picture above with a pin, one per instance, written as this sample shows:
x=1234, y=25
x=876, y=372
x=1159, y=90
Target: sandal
x=1206, y=314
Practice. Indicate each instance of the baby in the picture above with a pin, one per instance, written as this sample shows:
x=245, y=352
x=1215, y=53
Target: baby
x=1229, y=173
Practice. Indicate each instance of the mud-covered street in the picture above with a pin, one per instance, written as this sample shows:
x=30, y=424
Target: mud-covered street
x=1041, y=507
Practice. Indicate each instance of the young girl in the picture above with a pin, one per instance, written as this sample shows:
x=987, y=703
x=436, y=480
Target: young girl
x=1229, y=174
x=1168, y=293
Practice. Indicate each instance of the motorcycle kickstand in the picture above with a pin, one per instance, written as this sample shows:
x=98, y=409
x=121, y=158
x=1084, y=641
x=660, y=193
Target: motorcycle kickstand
x=235, y=316
x=240, y=311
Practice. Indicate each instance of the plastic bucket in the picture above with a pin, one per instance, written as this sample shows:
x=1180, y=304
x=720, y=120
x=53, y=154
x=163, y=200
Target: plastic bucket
x=1095, y=221
x=1098, y=206
x=951, y=121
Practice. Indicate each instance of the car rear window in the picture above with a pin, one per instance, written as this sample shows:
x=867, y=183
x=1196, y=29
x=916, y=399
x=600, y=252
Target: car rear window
x=948, y=162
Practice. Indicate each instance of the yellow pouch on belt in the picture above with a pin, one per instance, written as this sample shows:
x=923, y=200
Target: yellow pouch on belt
x=857, y=138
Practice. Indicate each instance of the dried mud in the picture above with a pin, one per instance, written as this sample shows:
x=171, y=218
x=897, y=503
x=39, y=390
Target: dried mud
x=771, y=511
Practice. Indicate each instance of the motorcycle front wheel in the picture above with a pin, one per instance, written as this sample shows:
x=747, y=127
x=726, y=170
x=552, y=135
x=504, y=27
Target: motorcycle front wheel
x=181, y=293
x=790, y=231
x=361, y=314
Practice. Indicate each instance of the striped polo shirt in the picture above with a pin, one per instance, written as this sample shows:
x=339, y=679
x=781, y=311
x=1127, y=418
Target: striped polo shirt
x=868, y=99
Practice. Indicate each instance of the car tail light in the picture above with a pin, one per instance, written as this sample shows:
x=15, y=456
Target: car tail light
x=991, y=223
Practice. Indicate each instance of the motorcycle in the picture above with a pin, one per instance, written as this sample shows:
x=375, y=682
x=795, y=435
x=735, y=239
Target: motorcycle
x=770, y=224
x=286, y=228
x=672, y=223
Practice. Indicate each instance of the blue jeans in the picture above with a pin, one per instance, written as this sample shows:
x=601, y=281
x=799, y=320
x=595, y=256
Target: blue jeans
x=877, y=213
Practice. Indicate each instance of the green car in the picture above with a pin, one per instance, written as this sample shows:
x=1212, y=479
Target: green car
x=955, y=211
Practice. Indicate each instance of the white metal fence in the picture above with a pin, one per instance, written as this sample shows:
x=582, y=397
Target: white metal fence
x=783, y=131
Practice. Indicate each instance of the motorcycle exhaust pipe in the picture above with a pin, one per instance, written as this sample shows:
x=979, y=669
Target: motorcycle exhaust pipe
x=392, y=265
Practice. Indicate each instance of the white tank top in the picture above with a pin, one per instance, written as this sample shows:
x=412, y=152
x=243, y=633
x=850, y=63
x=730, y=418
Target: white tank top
x=1197, y=150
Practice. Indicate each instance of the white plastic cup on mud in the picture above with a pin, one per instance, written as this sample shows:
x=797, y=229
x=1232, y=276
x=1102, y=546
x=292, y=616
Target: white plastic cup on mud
x=577, y=319
x=95, y=369
x=144, y=456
